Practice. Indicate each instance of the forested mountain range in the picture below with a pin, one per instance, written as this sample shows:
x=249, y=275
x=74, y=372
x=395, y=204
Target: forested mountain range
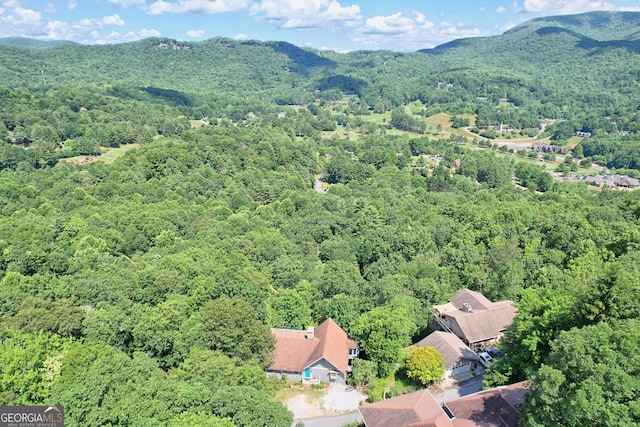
x=26, y=42
x=163, y=203
x=533, y=53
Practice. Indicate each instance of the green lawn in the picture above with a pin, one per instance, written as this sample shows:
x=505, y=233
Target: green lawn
x=112, y=154
x=108, y=156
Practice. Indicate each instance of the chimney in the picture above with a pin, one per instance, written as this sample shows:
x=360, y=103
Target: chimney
x=310, y=333
x=467, y=307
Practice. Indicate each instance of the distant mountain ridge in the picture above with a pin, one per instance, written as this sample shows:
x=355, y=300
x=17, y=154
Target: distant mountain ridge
x=602, y=26
x=33, y=43
x=587, y=28
x=579, y=51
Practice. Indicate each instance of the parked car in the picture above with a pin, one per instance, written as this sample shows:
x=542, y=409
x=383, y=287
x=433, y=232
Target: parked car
x=486, y=358
x=494, y=352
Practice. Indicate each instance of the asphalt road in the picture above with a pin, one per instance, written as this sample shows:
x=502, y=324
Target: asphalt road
x=337, y=421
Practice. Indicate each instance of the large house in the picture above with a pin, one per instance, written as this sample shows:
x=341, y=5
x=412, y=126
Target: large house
x=497, y=407
x=458, y=359
x=473, y=318
x=322, y=354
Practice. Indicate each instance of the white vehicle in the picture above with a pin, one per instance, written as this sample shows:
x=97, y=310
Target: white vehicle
x=486, y=358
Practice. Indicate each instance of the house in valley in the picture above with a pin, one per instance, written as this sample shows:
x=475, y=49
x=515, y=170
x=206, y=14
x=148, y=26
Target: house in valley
x=321, y=354
x=613, y=181
x=550, y=148
x=459, y=360
x=496, y=407
x=473, y=318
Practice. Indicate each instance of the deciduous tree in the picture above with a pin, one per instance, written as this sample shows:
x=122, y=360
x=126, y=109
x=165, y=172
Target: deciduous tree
x=425, y=364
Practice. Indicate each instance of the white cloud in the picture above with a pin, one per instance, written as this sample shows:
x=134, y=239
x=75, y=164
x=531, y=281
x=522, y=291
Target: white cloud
x=72, y=4
x=26, y=15
x=306, y=13
x=56, y=30
x=196, y=6
x=116, y=37
x=241, y=36
x=126, y=3
x=509, y=25
x=50, y=8
x=548, y=7
x=160, y=7
x=195, y=34
x=482, y=9
x=149, y=33
x=398, y=23
x=501, y=9
x=19, y=21
x=410, y=31
x=113, y=20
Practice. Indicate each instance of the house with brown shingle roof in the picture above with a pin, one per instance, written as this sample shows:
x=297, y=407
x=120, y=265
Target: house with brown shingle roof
x=497, y=407
x=413, y=409
x=458, y=358
x=473, y=318
x=322, y=354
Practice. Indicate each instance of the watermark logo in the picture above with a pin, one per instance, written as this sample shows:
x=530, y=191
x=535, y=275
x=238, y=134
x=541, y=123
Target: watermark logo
x=31, y=416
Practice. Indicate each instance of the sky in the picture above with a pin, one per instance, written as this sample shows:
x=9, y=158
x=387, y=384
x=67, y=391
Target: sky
x=338, y=25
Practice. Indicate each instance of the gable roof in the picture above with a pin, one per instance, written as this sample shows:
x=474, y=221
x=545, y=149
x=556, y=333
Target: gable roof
x=484, y=325
x=413, y=409
x=497, y=407
x=294, y=352
x=476, y=300
x=453, y=350
x=477, y=318
x=494, y=407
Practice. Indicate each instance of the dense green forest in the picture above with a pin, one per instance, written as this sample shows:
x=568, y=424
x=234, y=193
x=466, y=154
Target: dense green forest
x=138, y=286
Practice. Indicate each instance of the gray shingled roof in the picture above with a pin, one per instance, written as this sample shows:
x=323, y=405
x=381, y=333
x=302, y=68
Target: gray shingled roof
x=453, y=350
x=485, y=321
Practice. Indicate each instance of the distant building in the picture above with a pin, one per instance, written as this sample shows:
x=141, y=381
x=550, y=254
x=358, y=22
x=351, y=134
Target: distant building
x=504, y=128
x=322, y=354
x=549, y=148
x=497, y=407
x=473, y=318
x=613, y=181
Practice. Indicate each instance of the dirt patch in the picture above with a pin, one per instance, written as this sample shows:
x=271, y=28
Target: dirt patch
x=335, y=399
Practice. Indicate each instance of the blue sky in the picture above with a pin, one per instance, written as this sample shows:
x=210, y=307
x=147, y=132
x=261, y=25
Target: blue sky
x=340, y=25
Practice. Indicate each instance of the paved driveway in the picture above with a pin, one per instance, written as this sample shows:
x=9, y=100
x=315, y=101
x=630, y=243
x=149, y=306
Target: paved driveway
x=464, y=388
x=337, y=421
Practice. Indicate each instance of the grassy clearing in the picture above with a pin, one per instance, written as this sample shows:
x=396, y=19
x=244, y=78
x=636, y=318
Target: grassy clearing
x=573, y=141
x=415, y=107
x=112, y=154
x=108, y=156
x=197, y=123
x=442, y=119
x=341, y=132
x=377, y=118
